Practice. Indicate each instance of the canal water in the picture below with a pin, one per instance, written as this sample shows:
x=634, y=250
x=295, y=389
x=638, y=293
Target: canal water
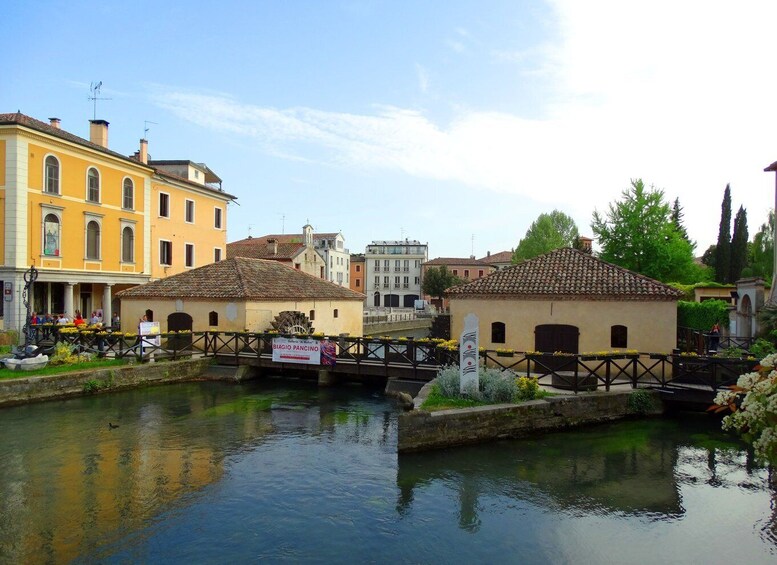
x=282, y=471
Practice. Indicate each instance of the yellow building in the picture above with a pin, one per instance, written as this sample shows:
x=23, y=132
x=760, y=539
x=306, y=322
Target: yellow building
x=569, y=301
x=86, y=217
x=188, y=217
x=242, y=293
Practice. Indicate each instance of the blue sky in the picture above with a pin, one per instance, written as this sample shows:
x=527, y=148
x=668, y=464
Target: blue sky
x=456, y=123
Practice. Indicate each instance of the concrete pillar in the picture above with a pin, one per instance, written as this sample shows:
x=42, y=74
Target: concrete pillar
x=69, y=300
x=325, y=378
x=107, y=312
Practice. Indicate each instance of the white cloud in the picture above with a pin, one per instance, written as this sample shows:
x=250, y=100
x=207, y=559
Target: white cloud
x=456, y=46
x=668, y=91
x=423, y=78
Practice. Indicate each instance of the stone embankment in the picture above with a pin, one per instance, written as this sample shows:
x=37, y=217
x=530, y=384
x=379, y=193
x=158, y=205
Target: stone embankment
x=420, y=430
x=50, y=387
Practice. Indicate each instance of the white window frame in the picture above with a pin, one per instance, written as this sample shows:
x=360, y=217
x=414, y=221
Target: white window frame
x=186, y=211
x=46, y=190
x=218, y=253
x=124, y=195
x=169, y=205
x=122, y=226
x=218, y=218
x=99, y=184
x=55, y=211
x=88, y=218
x=186, y=247
x=170, y=247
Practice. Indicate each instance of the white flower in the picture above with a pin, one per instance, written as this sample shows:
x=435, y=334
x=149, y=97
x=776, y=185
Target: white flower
x=769, y=361
x=747, y=380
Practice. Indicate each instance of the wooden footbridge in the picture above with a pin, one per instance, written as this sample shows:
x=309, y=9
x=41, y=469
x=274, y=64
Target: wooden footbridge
x=688, y=379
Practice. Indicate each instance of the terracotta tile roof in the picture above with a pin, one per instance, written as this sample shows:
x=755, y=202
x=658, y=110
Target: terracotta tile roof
x=456, y=261
x=260, y=249
x=24, y=120
x=242, y=278
x=501, y=257
x=287, y=237
x=20, y=119
x=566, y=274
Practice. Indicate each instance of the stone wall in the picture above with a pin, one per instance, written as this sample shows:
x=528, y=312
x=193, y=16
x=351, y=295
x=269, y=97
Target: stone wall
x=420, y=430
x=50, y=387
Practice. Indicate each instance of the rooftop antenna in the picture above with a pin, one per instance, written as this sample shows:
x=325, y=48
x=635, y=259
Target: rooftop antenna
x=283, y=224
x=249, y=230
x=94, y=88
x=472, y=252
x=401, y=233
x=146, y=128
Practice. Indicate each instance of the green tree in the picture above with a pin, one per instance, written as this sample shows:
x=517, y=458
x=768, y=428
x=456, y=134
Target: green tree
x=739, y=239
x=761, y=262
x=637, y=233
x=723, y=247
x=437, y=280
x=708, y=258
x=677, y=220
x=547, y=232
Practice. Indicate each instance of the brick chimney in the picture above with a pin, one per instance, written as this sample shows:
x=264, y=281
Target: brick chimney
x=272, y=245
x=98, y=132
x=55, y=122
x=143, y=154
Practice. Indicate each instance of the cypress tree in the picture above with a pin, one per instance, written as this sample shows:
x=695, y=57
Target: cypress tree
x=723, y=247
x=677, y=220
x=739, y=245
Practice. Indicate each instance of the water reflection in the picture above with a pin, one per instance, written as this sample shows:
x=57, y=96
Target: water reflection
x=640, y=471
x=82, y=473
x=210, y=472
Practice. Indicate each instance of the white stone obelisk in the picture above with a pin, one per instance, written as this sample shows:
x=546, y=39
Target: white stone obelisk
x=468, y=354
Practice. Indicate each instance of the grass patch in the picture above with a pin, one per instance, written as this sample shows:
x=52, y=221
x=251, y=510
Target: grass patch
x=436, y=401
x=56, y=370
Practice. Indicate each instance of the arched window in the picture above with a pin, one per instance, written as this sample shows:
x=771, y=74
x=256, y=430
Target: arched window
x=93, y=185
x=497, y=332
x=92, y=240
x=312, y=315
x=52, y=175
x=213, y=319
x=127, y=245
x=128, y=195
x=51, y=235
x=619, y=336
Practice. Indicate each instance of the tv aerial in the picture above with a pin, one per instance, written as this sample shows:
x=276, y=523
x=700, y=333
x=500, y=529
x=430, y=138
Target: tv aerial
x=94, y=88
x=146, y=128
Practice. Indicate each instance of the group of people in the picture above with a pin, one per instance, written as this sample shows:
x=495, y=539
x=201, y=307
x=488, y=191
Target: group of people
x=61, y=319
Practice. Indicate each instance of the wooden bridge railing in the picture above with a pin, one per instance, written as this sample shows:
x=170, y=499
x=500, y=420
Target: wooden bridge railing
x=570, y=371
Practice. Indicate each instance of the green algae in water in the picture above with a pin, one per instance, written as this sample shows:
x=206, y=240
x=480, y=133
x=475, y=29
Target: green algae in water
x=245, y=405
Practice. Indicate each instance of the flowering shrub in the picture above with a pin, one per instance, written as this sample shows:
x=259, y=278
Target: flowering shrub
x=64, y=354
x=528, y=388
x=753, y=405
x=496, y=386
